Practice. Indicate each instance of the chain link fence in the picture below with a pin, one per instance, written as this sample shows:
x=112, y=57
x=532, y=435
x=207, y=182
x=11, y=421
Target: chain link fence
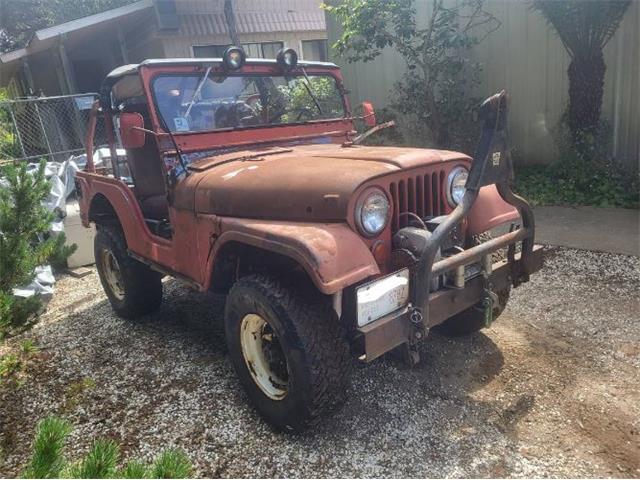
x=52, y=128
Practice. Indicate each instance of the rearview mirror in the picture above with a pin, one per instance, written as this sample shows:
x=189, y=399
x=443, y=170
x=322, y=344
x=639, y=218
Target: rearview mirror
x=130, y=133
x=368, y=114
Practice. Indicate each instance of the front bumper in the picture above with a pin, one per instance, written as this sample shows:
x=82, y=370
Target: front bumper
x=398, y=327
x=428, y=306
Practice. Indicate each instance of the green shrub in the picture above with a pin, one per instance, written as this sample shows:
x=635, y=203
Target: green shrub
x=102, y=460
x=13, y=364
x=575, y=181
x=435, y=98
x=47, y=460
x=171, y=463
x=24, y=240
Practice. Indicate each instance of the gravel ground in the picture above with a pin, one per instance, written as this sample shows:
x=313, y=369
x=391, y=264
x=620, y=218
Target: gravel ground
x=550, y=390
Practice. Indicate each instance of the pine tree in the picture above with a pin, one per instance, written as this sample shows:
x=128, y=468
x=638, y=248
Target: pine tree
x=48, y=461
x=24, y=241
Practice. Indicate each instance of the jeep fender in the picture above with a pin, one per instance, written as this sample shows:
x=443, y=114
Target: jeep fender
x=126, y=207
x=489, y=211
x=333, y=255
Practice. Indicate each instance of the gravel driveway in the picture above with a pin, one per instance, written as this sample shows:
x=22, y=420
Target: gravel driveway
x=552, y=389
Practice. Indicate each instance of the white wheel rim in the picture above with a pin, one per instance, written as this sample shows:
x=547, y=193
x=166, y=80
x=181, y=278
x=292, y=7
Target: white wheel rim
x=263, y=356
x=112, y=274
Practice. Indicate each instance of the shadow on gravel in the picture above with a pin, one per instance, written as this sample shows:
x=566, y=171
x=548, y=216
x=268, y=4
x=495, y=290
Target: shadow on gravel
x=166, y=380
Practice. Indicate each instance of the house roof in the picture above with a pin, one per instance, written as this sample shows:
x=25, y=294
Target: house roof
x=44, y=38
x=251, y=22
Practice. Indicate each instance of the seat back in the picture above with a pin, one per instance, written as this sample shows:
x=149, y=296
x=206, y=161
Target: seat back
x=145, y=163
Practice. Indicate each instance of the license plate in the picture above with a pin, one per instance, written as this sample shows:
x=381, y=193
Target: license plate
x=383, y=296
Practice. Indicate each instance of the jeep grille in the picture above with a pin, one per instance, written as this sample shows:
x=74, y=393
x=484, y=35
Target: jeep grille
x=421, y=194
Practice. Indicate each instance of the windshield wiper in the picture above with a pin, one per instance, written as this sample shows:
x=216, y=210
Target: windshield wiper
x=309, y=91
x=197, y=92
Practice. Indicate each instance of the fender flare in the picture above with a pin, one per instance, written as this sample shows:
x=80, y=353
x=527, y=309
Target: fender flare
x=126, y=208
x=489, y=211
x=332, y=254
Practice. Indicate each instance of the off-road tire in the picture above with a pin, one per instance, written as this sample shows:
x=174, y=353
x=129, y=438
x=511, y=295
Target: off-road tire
x=472, y=320
x=312, y=340
x=142, y=286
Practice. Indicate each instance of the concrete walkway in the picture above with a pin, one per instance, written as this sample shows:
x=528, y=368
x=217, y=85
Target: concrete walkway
x=614, y=230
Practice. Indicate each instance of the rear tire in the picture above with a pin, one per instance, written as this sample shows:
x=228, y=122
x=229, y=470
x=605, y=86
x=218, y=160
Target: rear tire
x=132, y=287
x=288, y=349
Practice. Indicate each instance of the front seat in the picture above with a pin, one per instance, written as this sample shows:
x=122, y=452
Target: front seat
x=148, y=176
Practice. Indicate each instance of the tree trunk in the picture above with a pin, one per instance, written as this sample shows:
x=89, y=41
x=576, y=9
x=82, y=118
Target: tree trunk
x=586, y=88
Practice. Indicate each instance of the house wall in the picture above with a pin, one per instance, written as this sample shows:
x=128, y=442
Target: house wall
x=526, y=58
x=182, y=46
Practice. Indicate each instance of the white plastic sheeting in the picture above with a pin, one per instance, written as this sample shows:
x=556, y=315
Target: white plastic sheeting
x=61, y=177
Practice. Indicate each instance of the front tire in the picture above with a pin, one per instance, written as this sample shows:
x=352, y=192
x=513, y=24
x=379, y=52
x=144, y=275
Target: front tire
x=288, y=349
x=132, y=287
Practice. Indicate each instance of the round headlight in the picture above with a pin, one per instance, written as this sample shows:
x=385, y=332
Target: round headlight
x=233, y=58
x=456, y=187
x=372, y=212
x=287, y=58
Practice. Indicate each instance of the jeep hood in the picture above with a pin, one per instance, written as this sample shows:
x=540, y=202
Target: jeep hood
x=308, y=182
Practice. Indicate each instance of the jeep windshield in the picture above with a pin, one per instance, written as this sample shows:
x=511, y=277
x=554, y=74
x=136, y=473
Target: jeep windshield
x=196, y=103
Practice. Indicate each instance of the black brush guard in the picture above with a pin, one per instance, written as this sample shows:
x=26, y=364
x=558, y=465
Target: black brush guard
x=491, y=165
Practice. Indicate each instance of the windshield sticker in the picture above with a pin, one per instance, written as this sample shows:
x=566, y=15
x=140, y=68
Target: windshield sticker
x=181, y=123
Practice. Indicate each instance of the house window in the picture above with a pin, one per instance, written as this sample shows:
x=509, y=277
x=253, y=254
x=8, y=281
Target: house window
x=271, y=49
x=253, y=50
x=315, y=50
x=209, y=51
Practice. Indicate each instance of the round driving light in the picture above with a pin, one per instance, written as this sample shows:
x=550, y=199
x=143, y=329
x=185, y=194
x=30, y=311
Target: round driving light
x=233, y=58
x=457, y=181
x=287, y=58
x=372, y=212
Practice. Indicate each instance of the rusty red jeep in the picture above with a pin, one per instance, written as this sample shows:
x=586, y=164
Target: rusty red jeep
x=247, y=177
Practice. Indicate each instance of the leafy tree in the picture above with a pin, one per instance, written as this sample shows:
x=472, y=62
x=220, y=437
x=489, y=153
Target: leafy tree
x=24, y=223
x=437, y=89
x=301, y=105
x=584, y=27
x=19, y=19
x=101, y=461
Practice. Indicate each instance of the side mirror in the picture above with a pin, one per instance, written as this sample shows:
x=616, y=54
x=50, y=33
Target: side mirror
x=131, y=136
x=368, y=114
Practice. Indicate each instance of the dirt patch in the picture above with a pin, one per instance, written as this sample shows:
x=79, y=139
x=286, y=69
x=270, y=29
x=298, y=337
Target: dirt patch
x=550, y=390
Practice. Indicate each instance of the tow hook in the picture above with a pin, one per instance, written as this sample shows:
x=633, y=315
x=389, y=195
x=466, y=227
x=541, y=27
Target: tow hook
x=488, y=302
x=408, y=351
x=419, y=330
x=415, y=316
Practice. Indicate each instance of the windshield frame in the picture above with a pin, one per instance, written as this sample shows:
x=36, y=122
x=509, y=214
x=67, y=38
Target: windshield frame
x=240, y=73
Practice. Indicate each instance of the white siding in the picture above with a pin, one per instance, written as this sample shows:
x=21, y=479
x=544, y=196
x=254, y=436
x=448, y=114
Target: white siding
x=525, y=57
